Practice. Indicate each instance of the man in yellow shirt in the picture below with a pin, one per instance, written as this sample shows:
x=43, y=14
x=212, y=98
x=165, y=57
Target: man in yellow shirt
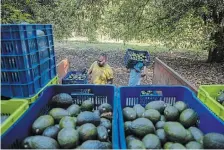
x=100, y=71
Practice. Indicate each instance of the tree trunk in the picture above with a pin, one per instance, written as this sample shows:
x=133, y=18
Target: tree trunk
x=217, y=53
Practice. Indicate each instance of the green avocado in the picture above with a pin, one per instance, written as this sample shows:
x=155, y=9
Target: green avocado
x=41, y=123
x=180, y=105
x=88, y=117
x=188, y=118
x=213, y=141
x=171, y=113
x=162, y=135
x=40, y=142
x=68, y=138
x=102, y=133
x=152, y=114
x=67, y=121
x=160, y=124
x=158, y=105
x=62, y=100
x=197, y=134
x=142, y=126
x=87, y=105
x=104, y=108
x=129, y=114
x=74, y=110
x=139, y=110
x=51, y=132
x=135, y=144
x=95, y=144
x=88, y=131
x=194, y=145
x=177, y=146
x=58, y=114
x=151, y=141
x=175, y=132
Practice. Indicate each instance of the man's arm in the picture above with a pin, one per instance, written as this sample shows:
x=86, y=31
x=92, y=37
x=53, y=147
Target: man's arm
x=144, y=71
x=90, y=69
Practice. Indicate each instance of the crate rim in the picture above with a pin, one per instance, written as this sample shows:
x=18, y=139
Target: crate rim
x=115, y=102
x=123, y=145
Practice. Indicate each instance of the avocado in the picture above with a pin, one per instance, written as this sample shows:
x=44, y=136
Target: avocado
x=188, y=118
x=194, y=145
x=168, y=145
x=88, y=117
x=220, y=98
x=142, y=126
x=41, y=123
x=67, y=121
x=171, y=113
x=177, y=146
x=102, y=133
x=73, y=110
x=197, y=134
x=106, y=123
x=104, y=108
x=131, y=137
x=96, y=112
x=151, y=141
x=213, y=141
x=129, y=114
x=175, y=132
x=127, y=127
x=139, y=110
x=180, y=105
x=51, y=132
x=95, y=144
x=135, y=144
x=68, y=138
x=87, y=105
x=40, y=142
x=189, y=137
x=162, y=118
x=62, y=100
x=58, y=114
x=87, y=131
x=107, y=145
x=158, y=105
x=162, y=135
x=160, y=124
x=152, y=114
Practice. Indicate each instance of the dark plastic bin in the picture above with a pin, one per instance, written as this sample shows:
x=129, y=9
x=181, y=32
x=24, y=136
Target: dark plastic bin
x=129, y=63
x=65, y=80
x=129, y=96
x=14, y=136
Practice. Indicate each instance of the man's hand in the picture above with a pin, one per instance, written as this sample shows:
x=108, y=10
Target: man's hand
x=110, y=81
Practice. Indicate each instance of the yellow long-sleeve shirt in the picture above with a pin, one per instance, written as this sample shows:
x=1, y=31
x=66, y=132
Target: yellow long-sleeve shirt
x=100, y=75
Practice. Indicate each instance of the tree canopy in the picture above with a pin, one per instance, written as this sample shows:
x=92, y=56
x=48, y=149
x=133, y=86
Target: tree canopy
x=189, y=24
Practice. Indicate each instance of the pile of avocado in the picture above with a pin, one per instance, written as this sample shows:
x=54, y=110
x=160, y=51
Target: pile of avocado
x=77, y=77
x=137, y=56
x=159, y=125
x=4, y=117
x=69, y=125
x=220, y=97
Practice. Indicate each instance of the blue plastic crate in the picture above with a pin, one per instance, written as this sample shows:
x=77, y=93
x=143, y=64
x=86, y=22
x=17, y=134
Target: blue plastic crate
x=129, y=96
x=25, y=83
x=21, y=90
x=129, y=63
x=14, y=136
x=66, y=79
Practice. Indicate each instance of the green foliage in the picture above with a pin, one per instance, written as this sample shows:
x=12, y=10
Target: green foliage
x=10, y=14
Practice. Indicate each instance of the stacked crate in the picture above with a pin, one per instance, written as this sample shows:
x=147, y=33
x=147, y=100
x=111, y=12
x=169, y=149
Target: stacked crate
x=27, y=59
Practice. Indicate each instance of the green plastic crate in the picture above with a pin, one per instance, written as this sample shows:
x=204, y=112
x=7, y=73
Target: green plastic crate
x=14, y=109
x=208, y=94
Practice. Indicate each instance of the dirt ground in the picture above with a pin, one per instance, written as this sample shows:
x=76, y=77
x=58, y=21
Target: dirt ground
x=193, y=68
